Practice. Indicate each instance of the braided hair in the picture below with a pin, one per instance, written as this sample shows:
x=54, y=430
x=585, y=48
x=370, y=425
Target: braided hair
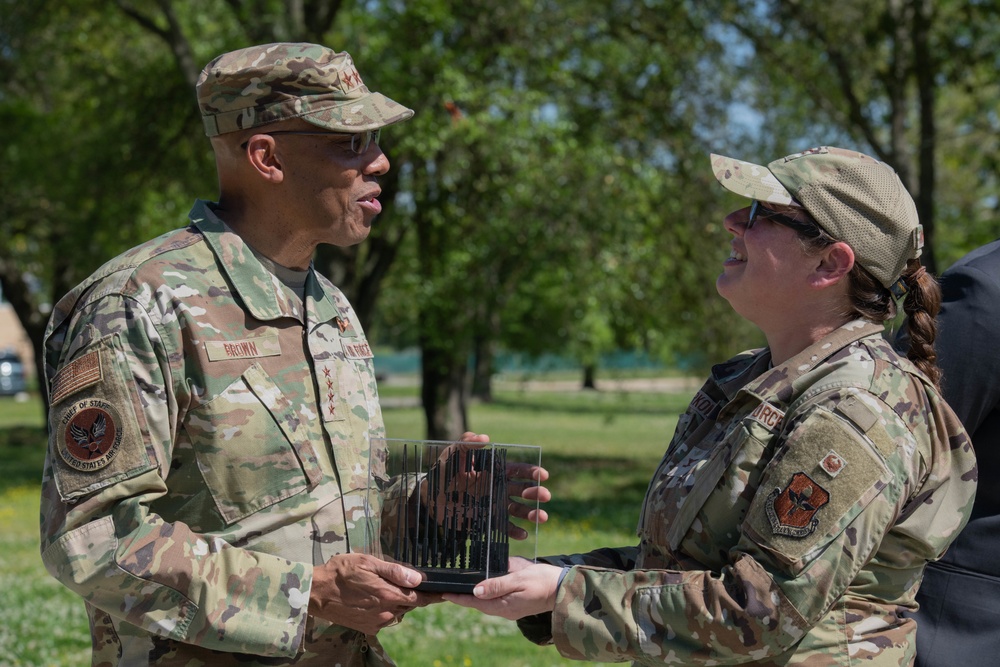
x=871, y=300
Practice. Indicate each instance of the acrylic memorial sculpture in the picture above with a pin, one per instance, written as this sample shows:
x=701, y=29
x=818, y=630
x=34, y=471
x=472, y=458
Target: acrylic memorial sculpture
x=446, y=508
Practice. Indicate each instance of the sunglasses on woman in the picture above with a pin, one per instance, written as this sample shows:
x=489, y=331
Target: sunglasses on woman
x=806, y=227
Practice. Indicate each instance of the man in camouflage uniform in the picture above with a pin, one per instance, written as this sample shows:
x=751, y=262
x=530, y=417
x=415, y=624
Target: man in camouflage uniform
x=213, y=397
x=806, y=486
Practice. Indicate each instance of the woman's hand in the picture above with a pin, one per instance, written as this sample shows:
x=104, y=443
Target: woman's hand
x=526, y=591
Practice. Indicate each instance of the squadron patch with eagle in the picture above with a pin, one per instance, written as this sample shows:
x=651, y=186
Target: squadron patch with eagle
x=92, y=435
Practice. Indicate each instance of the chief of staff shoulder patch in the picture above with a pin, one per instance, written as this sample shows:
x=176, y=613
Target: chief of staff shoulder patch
x=91, y=434
x=792, y=510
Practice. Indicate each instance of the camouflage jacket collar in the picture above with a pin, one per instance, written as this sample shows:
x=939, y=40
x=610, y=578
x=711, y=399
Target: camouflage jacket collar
x=751, y=372
x=260, y=291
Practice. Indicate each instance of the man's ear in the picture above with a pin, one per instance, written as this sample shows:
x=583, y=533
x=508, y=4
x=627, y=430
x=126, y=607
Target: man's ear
x=835, y=262
x=263, y=156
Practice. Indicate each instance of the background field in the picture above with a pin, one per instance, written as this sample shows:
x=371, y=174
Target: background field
x=601, y=447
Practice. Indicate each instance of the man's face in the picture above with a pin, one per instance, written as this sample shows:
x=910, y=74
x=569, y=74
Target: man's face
x=332, y=191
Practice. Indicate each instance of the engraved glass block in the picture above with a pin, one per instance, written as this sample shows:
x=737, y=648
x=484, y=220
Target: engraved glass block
x=446, y=507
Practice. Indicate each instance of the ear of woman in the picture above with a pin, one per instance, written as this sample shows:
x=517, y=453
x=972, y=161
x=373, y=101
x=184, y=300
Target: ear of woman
x=834, y=265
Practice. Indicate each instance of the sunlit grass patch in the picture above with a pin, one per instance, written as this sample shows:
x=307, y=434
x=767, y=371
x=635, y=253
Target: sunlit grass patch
x=41, y=622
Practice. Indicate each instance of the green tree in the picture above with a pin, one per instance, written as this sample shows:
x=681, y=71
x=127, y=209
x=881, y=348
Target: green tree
x=103, y=145
x=542, y=195
x=553, y=191
x=908, y=79
x=92, y=152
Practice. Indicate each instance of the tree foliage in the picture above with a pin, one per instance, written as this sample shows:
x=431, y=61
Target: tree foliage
x=553, y=191
x=905, y=80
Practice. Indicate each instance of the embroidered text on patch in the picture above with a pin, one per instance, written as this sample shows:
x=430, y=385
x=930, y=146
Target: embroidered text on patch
x=250, y=348
x=358, y=351
x=792, y=510
x=92, y=434
x=768, y=416
x=704, y=406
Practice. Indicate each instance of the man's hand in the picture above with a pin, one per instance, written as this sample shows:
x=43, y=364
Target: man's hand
x=524, y=484
x=364, y=593
x=526, y=591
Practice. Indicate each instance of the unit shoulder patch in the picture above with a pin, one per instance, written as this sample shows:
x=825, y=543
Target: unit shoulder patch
x=95, y=434
x=792, y=510
x=823, y=475
x=91, y=434
x=832, y=463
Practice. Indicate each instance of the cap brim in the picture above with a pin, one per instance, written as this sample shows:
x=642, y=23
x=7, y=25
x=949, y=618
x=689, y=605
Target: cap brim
x=368, y=112
x=749, y=180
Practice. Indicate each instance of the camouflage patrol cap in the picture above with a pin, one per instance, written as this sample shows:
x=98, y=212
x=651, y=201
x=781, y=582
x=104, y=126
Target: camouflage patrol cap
x=274, y=82
x=854, y=198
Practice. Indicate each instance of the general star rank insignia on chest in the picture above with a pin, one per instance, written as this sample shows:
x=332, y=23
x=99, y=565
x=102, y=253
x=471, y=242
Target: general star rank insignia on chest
x=792, y=510
x=329, y=395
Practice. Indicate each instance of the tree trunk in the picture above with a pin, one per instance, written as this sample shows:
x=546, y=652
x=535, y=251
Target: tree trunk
x=590, y=376
x=443, y=391
x=482, y=370
x=925, y=69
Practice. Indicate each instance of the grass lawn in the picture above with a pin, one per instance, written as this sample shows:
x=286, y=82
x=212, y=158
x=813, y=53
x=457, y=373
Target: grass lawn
x=599, y=447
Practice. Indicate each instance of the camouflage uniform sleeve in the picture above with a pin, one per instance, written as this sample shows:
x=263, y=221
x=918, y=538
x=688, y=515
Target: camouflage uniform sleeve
x=618, y=558
x=828, y=498
x=678, y=618
x=113, y=415
x=538, y=628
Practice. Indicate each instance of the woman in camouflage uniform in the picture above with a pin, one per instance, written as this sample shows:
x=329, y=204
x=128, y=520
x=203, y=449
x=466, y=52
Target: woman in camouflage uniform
x=810, y=481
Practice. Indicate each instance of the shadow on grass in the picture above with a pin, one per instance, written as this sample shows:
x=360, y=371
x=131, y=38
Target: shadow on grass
x=22, y=454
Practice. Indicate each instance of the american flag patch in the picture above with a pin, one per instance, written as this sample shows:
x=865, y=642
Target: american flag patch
x=76, y=375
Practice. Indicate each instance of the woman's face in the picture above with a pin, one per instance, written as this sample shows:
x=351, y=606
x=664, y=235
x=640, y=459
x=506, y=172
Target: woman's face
x=767, y=270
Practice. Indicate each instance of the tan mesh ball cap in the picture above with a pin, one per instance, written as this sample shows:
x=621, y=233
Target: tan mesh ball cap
x=854, y=198
x=273, y=82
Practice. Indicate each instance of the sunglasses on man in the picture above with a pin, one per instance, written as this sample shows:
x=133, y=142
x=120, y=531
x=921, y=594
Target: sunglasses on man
x=360, y=141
